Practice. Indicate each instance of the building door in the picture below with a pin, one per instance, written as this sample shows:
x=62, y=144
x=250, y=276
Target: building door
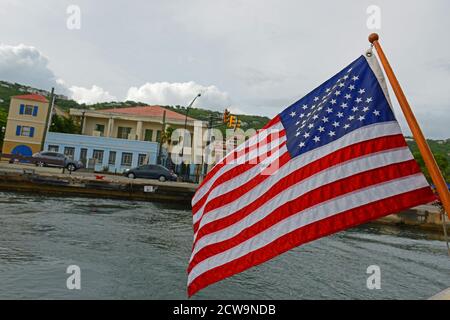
x=22, y=150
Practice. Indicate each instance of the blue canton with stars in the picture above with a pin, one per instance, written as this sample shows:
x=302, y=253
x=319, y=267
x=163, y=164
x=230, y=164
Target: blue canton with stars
x=351, y=99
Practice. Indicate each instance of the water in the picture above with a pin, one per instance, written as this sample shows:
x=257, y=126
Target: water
x=139, y=250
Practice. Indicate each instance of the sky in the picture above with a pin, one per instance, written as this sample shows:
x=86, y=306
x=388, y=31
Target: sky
x=255, y=57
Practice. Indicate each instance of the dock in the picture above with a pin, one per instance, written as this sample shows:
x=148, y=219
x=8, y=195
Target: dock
x=52, y=181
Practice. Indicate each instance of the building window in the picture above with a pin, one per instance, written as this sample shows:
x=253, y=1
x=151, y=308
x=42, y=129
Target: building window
x=158, y=135
x=148, y=135
x=24, y=131
x=83, y=155
x=69, y=152
x=112, y=158
x=123, y=132
x=127, y=159
x=141, y=159
x=53, y=148
x=100, y=128
x=28, y=110
x=98, y=155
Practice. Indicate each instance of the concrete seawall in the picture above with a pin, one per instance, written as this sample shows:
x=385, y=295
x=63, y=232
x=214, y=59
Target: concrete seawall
x=27, y=179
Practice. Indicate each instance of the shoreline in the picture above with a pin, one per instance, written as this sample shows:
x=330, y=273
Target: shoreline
x=25, y=178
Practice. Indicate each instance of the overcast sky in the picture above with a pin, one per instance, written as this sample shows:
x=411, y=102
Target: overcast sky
x=255, y=56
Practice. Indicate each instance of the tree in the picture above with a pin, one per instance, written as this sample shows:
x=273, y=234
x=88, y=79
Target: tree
x=441, y=161
x=64, y=125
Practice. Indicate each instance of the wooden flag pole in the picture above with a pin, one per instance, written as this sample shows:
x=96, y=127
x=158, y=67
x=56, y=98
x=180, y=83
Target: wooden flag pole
x=424, y=149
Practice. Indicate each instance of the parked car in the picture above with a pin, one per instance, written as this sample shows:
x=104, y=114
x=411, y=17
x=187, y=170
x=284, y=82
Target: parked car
x=55, y=159
x=151, y=171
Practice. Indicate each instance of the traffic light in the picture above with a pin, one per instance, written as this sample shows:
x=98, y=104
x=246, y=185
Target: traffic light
x=237, y=124
x=232, y=121
x=226, y=116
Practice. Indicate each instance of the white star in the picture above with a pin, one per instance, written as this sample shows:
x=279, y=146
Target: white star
x=336, y=124
x=351, y=118
x=329, y=110
x=302, y=144
x=376, y=112
x=315, y=116
x=361, y=118
x=306, y=135
x=331, y=133
x=340, y=114
x=333, y=101
x=361, y=91
x=369, y=99
x=301, y=115
x=305, y=107
x=325, y=119
x=345, y=77
x=316, y=98
x=292, y=114
x=337, y=92
x=358, y=100
x=344, y=105
x=351, y=87
x=354, y=78
x=341, y=85
x=346, y=126
x=365, y=109
x=310, y=126
x=316, y=139
x=321, y=129
x=348, y=96
x=354, y=109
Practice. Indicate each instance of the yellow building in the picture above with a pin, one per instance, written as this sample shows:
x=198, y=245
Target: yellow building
x=25, y=127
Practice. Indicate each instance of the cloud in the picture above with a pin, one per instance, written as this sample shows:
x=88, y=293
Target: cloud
x=90, y=96
x=27, y=65
x=165, y=93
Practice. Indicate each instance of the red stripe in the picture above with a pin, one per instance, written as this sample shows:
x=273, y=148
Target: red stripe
x=311, y=232
x=308, y=200
x=285, y=158
x=232, y=156
x=332, y=159
x=272, y=122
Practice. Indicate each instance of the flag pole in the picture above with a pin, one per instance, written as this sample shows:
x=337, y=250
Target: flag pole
x=424, y=149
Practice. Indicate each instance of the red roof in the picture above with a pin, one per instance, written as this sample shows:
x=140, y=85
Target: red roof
x=33, y=97
x=148, y=111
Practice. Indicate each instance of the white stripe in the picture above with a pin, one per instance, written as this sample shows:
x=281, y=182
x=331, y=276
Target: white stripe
x=311, y=215
x=249, y=143
x=347, y=169
x=362, y=134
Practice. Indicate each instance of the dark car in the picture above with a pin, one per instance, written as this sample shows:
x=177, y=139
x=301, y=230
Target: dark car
x=55, y=159
x=151, y=171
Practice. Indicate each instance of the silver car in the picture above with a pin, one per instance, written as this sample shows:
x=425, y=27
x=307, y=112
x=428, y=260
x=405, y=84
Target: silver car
x=55, y=159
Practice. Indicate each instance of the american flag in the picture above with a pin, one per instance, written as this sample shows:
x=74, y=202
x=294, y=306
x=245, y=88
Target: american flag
x=332, y=160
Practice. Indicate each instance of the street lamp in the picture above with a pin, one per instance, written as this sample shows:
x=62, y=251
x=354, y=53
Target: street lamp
x=185, y=128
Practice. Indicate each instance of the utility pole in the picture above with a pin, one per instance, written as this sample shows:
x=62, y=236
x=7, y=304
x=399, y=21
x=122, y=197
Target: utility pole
x=163, y=132
x=48, y=117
